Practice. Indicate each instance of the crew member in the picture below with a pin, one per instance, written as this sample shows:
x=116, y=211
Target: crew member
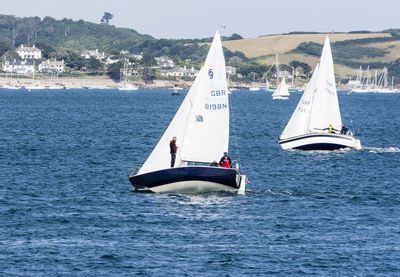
x=173, y=148
x=344, y=130
x=330, y=129
x=214, y=163
x=225, y=161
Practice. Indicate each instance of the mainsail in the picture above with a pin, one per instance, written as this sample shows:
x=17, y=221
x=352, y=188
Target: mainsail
x=201, y=124
x=319, y=106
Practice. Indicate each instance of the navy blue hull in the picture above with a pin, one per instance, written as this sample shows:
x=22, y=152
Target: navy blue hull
x=224, y=176
x=321, y=146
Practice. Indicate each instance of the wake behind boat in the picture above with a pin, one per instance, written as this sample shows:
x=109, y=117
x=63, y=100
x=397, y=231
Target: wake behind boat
x=316, y=123
x=202, y=119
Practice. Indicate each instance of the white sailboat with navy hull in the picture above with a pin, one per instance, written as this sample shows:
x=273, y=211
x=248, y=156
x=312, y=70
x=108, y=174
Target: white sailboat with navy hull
x=202, y=119
x=318, y=108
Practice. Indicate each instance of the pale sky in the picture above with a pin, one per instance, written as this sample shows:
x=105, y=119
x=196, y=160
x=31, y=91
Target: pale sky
x=199, y=19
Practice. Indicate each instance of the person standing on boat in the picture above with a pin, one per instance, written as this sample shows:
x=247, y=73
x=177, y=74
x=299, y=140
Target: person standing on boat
x=344, y=130
x=225, y=161
x=173, y=148
x=330, y=129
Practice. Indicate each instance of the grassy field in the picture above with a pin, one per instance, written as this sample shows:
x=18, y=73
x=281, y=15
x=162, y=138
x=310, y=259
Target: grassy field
x=263, y=49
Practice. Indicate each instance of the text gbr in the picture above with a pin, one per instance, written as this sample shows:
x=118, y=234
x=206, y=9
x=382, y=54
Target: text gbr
x=215, y=93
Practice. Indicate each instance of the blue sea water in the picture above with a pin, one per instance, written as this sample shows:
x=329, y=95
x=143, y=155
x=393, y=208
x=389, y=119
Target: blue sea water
x=68, y=209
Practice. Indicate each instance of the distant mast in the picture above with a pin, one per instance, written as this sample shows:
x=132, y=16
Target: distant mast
x=277, y=70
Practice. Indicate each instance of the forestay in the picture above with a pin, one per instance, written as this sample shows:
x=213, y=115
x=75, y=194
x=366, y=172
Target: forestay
x=201, y=124
x=319, y=106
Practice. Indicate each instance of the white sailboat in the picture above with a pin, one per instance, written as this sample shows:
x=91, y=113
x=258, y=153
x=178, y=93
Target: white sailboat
x=281, y=92
x=202, y=120
x=317, y=110
x=254, y=86
x=125, y=84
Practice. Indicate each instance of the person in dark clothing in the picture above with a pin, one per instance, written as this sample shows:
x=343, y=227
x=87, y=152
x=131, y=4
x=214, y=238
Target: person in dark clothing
x=225, y=161
x=214, y=163
x=344, y=130
x=173, y=148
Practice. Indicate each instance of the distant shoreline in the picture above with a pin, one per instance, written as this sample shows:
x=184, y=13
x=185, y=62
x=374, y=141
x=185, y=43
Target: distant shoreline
x=103, y=82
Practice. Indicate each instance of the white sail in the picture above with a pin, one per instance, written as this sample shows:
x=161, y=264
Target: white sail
x=201, y=124
x=325, y=106
x=282, y=90
x=319, y=106
x=207, y=134
x=298, y=123
x=160, y=157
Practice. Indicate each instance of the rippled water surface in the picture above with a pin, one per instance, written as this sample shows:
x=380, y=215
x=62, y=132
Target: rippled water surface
x=67, y=207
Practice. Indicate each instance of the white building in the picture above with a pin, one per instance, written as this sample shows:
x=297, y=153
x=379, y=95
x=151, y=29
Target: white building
x=26, y=52
x=180, y=72
x=136, y=56
x=52, y=66
x=164, y=61
x=20, y=67
x=93, y=53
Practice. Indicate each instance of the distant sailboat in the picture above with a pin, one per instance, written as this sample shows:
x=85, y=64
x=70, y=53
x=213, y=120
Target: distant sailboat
x=281, y=92
x=125, y=84
x=202, y=120
x=317, y=114
x=254, y=86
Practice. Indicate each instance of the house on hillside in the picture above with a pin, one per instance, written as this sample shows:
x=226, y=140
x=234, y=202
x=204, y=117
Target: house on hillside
x=136, y=56
x=164, y=61
x=52, y=66
x=87, y=54
x=19, y=67
x=26, y=52
x=179, y=72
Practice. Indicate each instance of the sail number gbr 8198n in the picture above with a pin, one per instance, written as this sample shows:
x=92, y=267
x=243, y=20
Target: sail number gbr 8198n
x=217, y=106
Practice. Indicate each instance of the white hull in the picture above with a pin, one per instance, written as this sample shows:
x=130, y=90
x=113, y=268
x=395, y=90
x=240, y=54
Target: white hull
x=192, y=187
x=254, y=89
x=280, y=98
x=320, y=141
x=128, y=87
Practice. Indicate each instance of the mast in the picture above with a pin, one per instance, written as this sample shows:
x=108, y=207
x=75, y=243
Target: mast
x=277, y=70
x=292, y=77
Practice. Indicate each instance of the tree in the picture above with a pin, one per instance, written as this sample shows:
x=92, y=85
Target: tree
x=114, y=70
x=4, y=47
x=106, y=18
x=236, y=61
x=235, y=37
x=47, y=50
x=306, y=68
x=148, y=60
x=11, y=55
x=94, y=65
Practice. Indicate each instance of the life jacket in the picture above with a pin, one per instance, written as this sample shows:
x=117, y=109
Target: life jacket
x=226, y=163
x=330, y=129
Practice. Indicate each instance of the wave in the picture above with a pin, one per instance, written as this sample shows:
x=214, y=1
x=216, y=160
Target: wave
x=279, y=192
x=382, y=150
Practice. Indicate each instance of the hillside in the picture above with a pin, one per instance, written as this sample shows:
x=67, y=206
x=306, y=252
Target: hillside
x=81, y=35
x=77, y=35
x=350, y=50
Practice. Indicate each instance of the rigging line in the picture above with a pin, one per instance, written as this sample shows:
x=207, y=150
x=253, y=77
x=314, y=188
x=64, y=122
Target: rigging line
x=265, y=75
x=234, y=131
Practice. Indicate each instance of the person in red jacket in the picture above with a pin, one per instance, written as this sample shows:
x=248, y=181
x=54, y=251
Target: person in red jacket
x=173, y=148
x=225, y=161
